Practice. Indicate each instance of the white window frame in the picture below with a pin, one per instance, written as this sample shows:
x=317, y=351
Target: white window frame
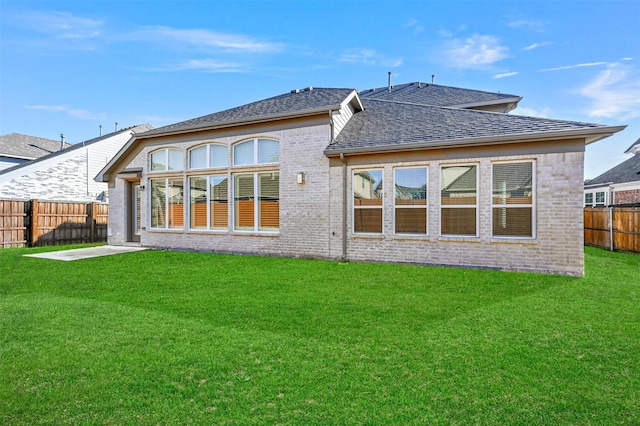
x=532, y=205
x=166, y=160
x=256, y=150
x=460, y=206
x=207, y=147
x=256, y=203
x=354, y=208
x=209, y=226
x=401, y=206
x=167, y=222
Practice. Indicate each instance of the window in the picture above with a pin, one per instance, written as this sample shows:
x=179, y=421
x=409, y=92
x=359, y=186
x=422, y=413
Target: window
x=600, y=198
x=209, y=202
x=167, y=203
x=410, y=200
x=588, y=199
x=208, y=156
x=167, y=159
x=512, y=199
x=256, y=151
x=458, y=200
x=257, y=202
x=367, y=201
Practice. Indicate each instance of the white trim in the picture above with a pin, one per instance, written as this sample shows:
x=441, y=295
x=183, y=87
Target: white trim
x=475, y=206
x=532, y=206
x=425, y=206
x=353, y=207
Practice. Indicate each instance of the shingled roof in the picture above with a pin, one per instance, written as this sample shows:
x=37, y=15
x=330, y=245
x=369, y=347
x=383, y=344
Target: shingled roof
x=627, y=171
x=297, y=101
x=432, y=94
x=389, y=126
x=27, y=147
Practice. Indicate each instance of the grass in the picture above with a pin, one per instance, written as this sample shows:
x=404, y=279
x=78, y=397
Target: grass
x=162, y=337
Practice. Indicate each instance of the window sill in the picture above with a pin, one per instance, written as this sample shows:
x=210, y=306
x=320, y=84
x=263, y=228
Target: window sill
x=367, y=236
x=254, y=234
x=407, y=237
x=461, y=239
x=512, y=240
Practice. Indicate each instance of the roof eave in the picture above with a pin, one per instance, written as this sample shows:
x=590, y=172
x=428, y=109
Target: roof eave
x=590, y=135
x=241, y=122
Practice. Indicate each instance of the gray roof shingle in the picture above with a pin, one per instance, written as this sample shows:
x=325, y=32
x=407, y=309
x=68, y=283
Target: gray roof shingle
x=432, y=94
x=391, y=124
x=24, y=146
x=627, y=171
x=289, y=103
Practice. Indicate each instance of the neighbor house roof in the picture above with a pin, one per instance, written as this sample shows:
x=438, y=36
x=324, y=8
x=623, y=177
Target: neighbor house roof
x=395, y=126
x=297, y=102
x=436, y=95
x=634, y=148
x=17, y=145
x=627, y=171
x=69, y=148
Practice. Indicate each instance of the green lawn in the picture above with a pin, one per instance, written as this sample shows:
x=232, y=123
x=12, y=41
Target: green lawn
x=160, y=337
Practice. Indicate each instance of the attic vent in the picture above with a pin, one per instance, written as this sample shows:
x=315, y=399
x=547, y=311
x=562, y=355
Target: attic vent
x=306, y=89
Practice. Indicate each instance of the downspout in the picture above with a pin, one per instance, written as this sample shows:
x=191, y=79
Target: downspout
x=344, y=206
x=332, y=134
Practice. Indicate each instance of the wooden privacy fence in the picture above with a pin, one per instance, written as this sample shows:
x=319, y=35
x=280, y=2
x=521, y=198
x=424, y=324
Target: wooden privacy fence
x=41, y=223
x=614, y=228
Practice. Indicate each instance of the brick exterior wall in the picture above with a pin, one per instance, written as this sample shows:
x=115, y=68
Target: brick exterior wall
x=311, y=214
x=631, y=196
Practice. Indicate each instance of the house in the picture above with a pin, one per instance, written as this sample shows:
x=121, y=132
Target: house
x=619, y=186
x=414, y=173
x=65, y=174
x=16, y=148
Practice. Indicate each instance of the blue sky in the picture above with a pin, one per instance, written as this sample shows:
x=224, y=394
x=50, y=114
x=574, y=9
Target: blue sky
x=71, y=66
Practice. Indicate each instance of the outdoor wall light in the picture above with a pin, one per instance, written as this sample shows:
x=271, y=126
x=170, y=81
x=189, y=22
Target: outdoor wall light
x=301, y=178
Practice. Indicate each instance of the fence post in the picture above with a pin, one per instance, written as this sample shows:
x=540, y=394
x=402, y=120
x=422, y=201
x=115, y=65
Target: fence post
x=610, y=217
x=33, y=220
x=92, y=218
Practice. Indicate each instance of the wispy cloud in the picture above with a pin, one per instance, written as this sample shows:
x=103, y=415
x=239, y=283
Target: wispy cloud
x=614, y=92
x=73, y=112
x=533, y=112
x=60, y=25
x=505, y=74
x=203, y=38
x=568, y=67
x=537, y=45
x=204, y=65
x=368, y=57
x=476, y=51
x=415, y=25
x=531, y=24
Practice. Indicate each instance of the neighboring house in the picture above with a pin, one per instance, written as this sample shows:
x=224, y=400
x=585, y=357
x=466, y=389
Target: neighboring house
x=416, y=173
x=16, y=148
x=66, y=174
x=618, y=186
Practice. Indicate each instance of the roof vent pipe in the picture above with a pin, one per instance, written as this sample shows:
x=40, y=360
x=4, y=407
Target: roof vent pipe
x=61, y=141
x=433, y=78
x=389, y=73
